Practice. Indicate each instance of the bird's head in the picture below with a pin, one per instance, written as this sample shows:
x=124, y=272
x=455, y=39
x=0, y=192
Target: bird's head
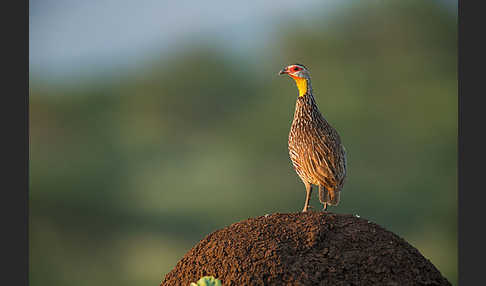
x=295, y=71
x=300, y=74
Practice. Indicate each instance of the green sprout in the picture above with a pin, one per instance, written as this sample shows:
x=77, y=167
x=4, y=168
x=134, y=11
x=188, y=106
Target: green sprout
x=207, y=281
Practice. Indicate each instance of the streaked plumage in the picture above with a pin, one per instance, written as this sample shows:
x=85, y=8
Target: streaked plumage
x=315, y=147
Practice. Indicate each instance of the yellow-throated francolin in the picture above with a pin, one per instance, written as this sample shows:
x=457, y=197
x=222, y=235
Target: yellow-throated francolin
x=315, y=148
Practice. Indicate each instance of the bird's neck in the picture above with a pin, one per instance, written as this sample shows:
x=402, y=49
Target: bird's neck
x=305, y=91
x=303, y=85
x=306, y=104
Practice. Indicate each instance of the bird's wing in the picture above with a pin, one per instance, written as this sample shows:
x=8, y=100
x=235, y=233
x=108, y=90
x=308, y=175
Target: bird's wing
x=326, y=158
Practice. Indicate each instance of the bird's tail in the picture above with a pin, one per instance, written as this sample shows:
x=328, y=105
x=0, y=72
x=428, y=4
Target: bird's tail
x=330, y=197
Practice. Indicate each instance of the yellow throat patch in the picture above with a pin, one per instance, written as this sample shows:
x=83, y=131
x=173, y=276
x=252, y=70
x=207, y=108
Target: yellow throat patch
x=301, y=85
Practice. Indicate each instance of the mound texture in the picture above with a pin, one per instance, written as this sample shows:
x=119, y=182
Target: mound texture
x=312, y=248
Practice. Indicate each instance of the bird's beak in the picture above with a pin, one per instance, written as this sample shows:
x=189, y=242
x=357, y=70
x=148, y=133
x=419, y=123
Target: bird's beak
x=283, y=71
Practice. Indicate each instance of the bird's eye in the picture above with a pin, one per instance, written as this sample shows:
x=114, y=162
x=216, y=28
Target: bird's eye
x=296, y=69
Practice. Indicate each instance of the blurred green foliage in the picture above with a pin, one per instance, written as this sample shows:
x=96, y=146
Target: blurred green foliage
x=127, y=174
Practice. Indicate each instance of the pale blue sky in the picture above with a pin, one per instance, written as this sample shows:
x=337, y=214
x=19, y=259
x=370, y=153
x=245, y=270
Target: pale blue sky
x=69, y=37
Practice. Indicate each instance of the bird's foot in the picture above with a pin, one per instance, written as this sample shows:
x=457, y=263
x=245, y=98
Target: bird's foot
x=305, y=209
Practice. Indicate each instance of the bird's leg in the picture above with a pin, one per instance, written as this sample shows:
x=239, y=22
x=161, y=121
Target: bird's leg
x=323, y=197
x=308, y=189
x=324, y=208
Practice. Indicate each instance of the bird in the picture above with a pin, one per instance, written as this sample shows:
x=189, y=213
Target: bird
x=315, y=148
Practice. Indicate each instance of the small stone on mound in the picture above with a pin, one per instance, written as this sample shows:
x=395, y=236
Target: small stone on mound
x=313, y=248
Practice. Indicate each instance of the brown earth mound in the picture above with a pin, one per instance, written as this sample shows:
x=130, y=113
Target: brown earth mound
x=312, y=248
